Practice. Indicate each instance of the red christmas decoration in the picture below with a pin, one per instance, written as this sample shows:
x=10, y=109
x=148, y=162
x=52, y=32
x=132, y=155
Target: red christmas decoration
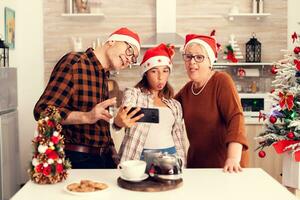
x=230, y=54
x=59, y=168
x=286, y=100
x=297, y=63
x=294, y=37
x=47, y=170
x=39, y=168
x=261, y=154
x=55, y=139
x=290, y=135
x=274, y=70
x=272, y=119
x=297, y=50
x=49, y=164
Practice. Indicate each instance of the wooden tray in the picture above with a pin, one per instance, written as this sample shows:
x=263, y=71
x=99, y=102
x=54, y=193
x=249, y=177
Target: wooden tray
x=150, y=185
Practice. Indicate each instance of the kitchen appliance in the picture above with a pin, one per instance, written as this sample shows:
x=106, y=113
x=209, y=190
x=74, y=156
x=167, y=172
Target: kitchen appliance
x=166, y=167
x=9, y=142
x=254, y=103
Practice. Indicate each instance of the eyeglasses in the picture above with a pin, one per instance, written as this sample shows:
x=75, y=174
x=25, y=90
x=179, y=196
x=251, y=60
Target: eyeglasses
x=189, y=57
x=130, y=52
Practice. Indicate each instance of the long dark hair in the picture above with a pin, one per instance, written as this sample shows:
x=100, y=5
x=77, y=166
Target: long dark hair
x=167, y=92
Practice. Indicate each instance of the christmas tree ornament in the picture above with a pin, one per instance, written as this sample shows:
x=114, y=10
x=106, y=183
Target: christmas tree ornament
x=290, y=135
x=274, y=70
x=294, y=37
x=297, y=64
x=286, y=100
x=49, y=164
x=297, y=50
x=272, y=119
x=262, y=154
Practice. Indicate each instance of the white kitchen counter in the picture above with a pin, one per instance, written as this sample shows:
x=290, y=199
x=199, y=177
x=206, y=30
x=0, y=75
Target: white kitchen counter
x=206, y=184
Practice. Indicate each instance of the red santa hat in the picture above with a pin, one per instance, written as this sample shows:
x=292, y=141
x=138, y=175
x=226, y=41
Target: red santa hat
x=126, y=35
x=209, y=43
x=158, y=56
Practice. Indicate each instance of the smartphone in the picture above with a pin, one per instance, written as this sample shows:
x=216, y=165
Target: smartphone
x=151, y=115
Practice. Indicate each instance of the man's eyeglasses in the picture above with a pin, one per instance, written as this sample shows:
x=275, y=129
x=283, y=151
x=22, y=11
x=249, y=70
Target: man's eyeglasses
x=130, y=52
x=189, y=57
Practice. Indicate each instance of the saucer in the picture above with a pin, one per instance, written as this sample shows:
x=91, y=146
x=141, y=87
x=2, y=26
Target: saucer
x=143, y=177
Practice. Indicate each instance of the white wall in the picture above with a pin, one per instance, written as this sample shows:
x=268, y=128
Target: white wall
x=30, y=72
x=293, y=19
x=28, y=58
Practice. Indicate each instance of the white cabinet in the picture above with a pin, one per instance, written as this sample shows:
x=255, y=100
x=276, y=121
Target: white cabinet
x=9, y=155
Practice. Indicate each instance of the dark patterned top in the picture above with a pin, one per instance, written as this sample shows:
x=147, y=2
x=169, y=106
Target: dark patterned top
x=77, y=83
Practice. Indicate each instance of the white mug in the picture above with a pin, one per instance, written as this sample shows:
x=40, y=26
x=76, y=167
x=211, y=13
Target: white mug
x=132, y=169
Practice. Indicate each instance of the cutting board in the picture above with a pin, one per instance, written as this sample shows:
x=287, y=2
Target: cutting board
x=150, y=185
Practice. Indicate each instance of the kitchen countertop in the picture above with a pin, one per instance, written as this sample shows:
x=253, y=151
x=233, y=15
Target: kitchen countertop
x=207, y=184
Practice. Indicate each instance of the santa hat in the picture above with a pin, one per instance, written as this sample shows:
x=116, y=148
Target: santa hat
x=158, y=56
x=126, y=35
x=209, y=43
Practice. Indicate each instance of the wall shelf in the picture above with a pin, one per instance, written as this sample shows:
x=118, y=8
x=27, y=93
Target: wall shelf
x=242, y=64
x=258, y=16
x=85, y=15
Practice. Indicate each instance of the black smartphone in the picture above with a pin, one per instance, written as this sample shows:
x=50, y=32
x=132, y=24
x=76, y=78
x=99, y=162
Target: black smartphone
x=151, y=115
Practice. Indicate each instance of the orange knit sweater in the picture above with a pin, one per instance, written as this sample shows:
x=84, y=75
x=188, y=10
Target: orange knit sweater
x=213, y=119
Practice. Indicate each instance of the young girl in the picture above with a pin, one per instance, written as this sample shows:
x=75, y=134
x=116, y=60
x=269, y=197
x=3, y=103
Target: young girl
x=153, y=91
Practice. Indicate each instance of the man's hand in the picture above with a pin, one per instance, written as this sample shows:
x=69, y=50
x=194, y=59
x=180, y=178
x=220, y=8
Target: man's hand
x=123, y=119
x=100, y=111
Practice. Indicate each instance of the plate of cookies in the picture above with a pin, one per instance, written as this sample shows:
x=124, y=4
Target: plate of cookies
x=86, y=187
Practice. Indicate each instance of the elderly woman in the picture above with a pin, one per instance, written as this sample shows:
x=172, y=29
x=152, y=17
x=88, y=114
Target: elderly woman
x=212, y=110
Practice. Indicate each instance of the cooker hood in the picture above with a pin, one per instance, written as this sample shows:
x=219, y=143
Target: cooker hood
x=165, y=25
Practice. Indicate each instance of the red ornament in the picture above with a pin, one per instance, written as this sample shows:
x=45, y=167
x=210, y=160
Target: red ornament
x=59, y=168
x=54, y=139
x=297, y=64
x=272, y=90
x=272, y=119
x=39, y=168
x=290, y=135
x=261, y=154
x=297, y=50
x=50, y=123
x=47, y=170
x=294, y=37
x=53, y=155
x=274, y=70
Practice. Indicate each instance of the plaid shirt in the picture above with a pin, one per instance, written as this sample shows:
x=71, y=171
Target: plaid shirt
x=77, y=83
x=135, y=137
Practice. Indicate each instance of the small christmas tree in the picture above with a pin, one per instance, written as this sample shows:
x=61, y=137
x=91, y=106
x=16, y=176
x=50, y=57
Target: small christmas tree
x=233, y=52
x=48, y=163
x=283, y=122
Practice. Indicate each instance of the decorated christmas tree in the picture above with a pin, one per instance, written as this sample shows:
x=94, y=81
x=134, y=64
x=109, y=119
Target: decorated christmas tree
x=282, y=124
x=48, y=163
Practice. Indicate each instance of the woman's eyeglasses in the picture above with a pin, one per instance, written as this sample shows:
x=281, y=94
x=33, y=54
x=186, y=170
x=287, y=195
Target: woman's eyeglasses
x=189, y=57
x=130, y=52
